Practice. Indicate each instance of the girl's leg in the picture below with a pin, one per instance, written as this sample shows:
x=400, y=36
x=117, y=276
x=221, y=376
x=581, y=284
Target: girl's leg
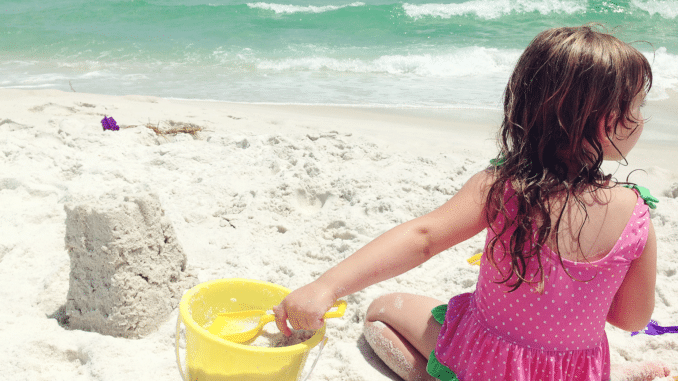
x=645, y=371
x=402, y=332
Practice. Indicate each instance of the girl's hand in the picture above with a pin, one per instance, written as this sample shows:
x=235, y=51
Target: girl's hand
x=304, y=308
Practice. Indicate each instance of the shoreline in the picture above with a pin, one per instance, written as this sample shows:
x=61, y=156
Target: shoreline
x=662, y=113
x=459, y=132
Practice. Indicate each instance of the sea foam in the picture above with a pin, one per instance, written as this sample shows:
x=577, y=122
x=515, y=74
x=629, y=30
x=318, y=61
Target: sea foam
x=664, y=73
x=286, y=8
x=667, y=9
x=458, y=63
x=492, y=9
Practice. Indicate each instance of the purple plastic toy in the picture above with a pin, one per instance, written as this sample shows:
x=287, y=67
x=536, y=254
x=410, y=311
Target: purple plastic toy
x=655, y=329
x=109, y=124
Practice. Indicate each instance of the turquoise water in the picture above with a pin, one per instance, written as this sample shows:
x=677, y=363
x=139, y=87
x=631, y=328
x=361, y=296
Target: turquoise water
x=417, y=54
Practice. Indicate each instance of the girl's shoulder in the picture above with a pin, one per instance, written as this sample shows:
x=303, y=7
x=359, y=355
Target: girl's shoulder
x=628, y=196
x=596, y=228
x=481, y=182
x=624, y=196
x=613, y=204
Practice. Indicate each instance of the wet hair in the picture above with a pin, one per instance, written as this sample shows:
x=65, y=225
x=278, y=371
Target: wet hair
x=565, y=83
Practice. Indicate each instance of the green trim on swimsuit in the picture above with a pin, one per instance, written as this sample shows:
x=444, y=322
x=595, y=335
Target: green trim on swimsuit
x=439, y=313
x=498, y=162
x=438, y=370
x=434, y=367
x=649, y=199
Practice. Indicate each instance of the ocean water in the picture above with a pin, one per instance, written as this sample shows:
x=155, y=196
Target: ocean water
x=377, y=53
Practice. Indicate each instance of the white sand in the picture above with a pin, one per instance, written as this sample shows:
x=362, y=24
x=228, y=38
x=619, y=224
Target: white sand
x=275, y=193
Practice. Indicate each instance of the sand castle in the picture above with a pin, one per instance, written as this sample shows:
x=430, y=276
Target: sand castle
x=128, y=271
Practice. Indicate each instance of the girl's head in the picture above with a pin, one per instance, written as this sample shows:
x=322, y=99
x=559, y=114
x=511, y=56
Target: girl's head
x=571, y=102
x=571, y=94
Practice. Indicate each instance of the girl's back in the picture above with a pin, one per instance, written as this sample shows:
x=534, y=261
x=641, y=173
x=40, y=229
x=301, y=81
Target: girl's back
x=513, y=334
x=589, y=233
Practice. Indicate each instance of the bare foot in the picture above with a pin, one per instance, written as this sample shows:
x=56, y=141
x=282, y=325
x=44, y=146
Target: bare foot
x=646, y=371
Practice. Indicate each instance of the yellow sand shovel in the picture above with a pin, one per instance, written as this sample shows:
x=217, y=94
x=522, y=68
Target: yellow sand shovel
x=242, y=326
x=475, y=260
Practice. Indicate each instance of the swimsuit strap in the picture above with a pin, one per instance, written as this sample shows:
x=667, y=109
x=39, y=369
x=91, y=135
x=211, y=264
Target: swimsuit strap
x=644, y=193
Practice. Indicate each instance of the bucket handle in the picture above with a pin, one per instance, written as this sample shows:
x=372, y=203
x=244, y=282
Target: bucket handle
x=185, y=377
x=322, y=345
x=176, y=346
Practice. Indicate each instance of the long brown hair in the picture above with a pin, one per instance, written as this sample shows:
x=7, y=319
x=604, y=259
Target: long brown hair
x=565, y=83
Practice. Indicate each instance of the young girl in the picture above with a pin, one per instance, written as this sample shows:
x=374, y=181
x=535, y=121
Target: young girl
x=567, y=248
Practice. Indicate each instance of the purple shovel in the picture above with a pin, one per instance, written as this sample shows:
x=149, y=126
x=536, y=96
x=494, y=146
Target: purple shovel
x=655, y=329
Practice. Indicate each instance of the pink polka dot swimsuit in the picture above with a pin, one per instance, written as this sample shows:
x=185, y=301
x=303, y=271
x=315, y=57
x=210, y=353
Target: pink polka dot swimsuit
x=524, y=335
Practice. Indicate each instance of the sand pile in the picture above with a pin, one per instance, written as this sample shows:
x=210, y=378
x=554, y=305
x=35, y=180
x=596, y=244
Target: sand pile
x=128, y=271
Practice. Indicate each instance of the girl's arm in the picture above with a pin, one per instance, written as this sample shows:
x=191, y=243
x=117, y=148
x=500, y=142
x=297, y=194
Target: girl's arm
x=633, y=303
x=412, y=243
x=395, y=252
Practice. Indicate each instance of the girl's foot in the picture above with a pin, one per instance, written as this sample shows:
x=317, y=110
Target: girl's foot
x=646, y=371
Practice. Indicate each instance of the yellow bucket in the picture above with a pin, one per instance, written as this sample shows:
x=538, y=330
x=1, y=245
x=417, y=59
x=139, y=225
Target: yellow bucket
x=211, y=358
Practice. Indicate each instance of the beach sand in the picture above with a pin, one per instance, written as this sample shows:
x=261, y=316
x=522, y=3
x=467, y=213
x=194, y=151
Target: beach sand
x=268, y=192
